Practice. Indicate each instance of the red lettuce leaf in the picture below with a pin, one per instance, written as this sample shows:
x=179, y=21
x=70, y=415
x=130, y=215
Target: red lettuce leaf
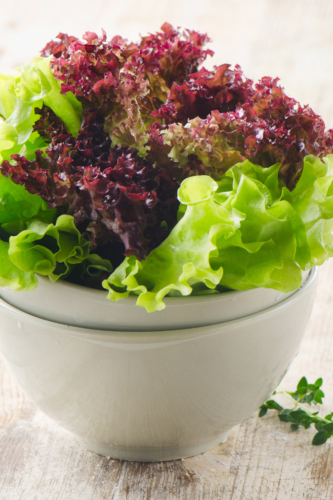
x=222, y=89
x=172, y=54
x=222, y=119
x=125, y=81
x=154, y=99
x=113, y=194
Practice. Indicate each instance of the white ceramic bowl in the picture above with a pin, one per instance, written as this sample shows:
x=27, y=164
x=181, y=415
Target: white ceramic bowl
x=154, y=396
x=75, y=305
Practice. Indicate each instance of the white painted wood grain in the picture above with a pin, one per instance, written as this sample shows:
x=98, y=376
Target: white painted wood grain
x=289, y=39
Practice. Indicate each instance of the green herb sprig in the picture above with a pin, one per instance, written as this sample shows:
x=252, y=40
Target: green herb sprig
x=305, y=395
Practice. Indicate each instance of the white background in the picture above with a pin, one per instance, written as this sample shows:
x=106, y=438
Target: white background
x=292, y=39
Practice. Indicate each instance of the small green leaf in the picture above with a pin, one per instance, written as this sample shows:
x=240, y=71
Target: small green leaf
x=263, y=410
x=273, y=405
x=319, y=425
x=318, y=397
x=318, y=382
x=298, y=415
x=285, y=416
x=320, y=438
x=294, y=427
x=302, y=384
x=328, y=427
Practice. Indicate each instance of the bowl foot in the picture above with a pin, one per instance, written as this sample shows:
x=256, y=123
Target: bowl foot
x=152, y=454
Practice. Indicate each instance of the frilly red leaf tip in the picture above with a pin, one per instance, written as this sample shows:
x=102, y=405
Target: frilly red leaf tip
x=167, y=28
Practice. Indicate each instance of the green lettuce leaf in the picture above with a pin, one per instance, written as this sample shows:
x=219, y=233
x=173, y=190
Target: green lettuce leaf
x=245, y=231
x=22, y=92
x=91, y=271
x=263, y=252
x=11, y=275
x=16, y=207
x=17, y=204
x=312, y=199
x=48, y=249
x=94, y=265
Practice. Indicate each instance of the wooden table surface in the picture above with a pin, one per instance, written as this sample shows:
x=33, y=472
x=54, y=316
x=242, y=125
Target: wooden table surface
x=262, y=458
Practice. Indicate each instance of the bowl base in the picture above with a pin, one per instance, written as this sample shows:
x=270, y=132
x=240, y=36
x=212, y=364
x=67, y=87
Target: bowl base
x=152, y=454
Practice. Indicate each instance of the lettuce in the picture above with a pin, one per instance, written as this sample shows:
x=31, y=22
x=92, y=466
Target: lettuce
x=126, y=81
x=48, y=249
x=17, y=204
x=116, y=193
x=183, y=258
x=11, y=275
x=16, y=207
x=247, y=230
x=20, y=94
x=53, y=250
x=106, y=132
x=30, y=243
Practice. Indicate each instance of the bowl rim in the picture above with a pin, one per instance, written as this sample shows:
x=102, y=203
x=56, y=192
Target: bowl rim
x=107, y=337
x=169, y=301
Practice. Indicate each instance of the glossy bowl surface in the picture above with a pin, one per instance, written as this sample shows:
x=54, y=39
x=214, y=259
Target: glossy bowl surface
x=75, y=305
x=154, y=395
